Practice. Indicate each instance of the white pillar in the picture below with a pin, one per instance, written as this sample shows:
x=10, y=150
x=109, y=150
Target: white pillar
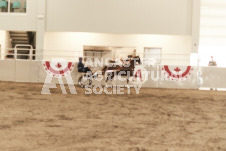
x=195, y=25
x=40, y=29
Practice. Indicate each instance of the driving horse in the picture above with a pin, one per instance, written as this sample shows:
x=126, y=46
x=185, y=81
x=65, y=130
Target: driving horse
x=122, y=70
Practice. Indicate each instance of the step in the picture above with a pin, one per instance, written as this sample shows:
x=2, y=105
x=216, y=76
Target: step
x=20, y=38
x=19, y=35
x=17, y=32
x=14, y=45
x=22, y=47
x=19, y=41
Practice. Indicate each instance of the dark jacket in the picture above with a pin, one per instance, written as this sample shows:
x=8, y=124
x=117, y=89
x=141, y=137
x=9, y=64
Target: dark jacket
x=80, y=67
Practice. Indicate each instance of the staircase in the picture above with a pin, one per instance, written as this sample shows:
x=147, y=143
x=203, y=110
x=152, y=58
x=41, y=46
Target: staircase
x=22, y=38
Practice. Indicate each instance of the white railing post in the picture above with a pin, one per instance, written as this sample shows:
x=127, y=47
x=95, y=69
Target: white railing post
x=31, y=54
x=15, y=53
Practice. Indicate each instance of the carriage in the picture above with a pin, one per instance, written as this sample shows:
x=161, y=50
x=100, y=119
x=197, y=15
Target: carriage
x=108, y=72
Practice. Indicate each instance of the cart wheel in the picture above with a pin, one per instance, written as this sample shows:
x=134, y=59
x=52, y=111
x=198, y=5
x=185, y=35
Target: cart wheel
x=84, y=81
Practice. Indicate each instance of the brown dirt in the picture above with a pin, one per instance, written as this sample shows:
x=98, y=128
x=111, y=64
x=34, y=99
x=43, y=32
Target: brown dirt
x=156, y=119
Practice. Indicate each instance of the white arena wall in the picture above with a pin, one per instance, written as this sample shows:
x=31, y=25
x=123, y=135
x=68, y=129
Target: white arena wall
x=175, y=49
x=33, y=72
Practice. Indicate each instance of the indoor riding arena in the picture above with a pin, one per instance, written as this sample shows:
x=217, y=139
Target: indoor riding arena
x=116, y=75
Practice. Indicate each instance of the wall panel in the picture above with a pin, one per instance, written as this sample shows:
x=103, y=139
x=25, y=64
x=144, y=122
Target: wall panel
x=120, y=16
x=7, y=70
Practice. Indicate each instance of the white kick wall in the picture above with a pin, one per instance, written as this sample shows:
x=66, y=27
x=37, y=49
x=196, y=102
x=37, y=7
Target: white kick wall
x=62, y=42
x=167, y=17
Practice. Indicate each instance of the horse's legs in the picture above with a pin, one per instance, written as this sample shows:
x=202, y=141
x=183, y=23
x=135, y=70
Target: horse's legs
x=112, y=79
x=106, y=78
x=104, y=70
x=128, y=75
x=110, y=76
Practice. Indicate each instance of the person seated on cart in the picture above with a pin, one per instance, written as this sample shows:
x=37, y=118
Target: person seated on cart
x=81, y=67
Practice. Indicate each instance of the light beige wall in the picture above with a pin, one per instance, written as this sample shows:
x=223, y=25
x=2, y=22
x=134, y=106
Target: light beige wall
x=4, y=42
x=1, y=37
x=1, y=44
x=121, y=16
x=62, y=42
x=8, y=43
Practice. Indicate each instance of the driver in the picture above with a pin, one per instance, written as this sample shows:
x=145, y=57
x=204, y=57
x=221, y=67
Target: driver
x=81, y=67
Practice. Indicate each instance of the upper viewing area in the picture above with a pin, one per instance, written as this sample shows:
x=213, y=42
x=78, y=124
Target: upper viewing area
x=13, y=6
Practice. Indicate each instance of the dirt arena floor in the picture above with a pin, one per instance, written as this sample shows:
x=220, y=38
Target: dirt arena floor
x=154, y=120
